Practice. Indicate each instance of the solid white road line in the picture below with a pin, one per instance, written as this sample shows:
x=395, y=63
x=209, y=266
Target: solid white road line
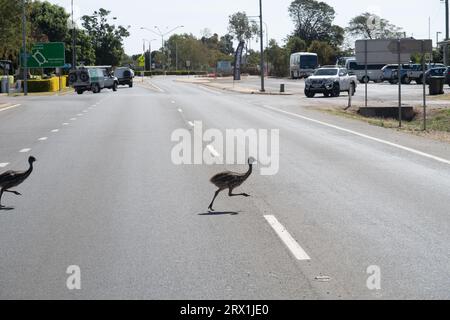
x=2, y=165
x=10, y=107
x=43, y=139
x=209, y=90
x=213, y=151
x=288, y=240
x=398, y=146
x=26, y=150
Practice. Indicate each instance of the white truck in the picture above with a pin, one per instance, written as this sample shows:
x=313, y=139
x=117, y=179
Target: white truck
x=330, y=81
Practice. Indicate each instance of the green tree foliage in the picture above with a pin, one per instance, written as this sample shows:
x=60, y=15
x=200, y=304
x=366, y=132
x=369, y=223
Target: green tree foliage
x=10, y=29
x=49, y=21
x=295, y=44
x=314, y=21
x=226, y=44
x=371, y=26
x=107, y=39
x=279, y=59
x=325, y=52
x=241, y=27
x=203, y=53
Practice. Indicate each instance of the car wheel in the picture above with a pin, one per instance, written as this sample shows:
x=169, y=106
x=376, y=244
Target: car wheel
x=336, y=91
x=393, y=81
x=114, y=87
x=80, y=91
x=326, y=94
x=406, y=80
x=95, y=88
x=309, y=94
x=131, y=85
x=365, y=79
x=420, y=80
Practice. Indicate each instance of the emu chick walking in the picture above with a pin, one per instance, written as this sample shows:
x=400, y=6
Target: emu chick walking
x=231, y=180
x=11, y=179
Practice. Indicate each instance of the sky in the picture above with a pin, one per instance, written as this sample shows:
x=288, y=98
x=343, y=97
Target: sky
x=196, y=15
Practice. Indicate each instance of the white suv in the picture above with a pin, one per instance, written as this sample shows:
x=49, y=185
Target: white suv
x=330, y=81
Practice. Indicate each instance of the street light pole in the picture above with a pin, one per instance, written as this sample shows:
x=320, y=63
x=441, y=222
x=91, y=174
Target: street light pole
x=74, y=53
x=24, y=54
x=437, y=39
x=262, y=45
x=161, y=34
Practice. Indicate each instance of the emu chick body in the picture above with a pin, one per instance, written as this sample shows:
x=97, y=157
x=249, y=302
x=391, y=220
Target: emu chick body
x=230, y=180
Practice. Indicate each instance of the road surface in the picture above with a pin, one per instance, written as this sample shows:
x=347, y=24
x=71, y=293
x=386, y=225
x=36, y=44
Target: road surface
x=105, y=196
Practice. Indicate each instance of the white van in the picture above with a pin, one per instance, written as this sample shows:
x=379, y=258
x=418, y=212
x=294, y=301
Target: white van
x=374, y=71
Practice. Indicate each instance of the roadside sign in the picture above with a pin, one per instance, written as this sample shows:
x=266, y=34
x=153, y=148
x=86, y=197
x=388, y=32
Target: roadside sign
x=387, y=51
x=47, y=55
x=141, y=61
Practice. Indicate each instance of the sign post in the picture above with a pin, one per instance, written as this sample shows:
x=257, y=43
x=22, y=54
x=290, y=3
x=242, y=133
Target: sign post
x=392, y=52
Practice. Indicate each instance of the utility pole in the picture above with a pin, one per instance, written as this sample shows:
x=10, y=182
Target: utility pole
x=24, y=44
x=262, y=44
x=74, y=53
x=447, y=27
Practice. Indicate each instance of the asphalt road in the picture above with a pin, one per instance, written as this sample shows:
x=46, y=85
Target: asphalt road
x=106, y=196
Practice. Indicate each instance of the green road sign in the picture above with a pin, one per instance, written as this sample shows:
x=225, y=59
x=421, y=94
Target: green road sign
x=47, y=55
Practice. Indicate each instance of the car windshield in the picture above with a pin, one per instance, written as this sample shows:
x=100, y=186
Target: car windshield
x=326, y=72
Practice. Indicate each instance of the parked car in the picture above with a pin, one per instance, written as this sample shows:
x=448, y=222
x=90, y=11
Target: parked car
x=92, y=79
x=125, y=76
x=331, y=81
x=435, y=72
x=390, y=73
x=447, y=76
x=416, y=72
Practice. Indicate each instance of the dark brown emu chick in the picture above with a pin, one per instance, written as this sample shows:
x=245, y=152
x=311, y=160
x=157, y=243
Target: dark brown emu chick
x=11, y=179
x=231, y=180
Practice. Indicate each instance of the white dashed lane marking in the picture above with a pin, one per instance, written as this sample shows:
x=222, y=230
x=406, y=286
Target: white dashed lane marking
x=25, y=150
x=287, y=239
x=3, y=165
x=191, y=123
x=43, y=139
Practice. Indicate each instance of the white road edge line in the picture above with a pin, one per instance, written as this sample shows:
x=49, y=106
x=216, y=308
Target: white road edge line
x=287, y=239
x=209, y=90
x=26, y=150
x=10, y=107
x=417, y=152
x=213, y=151
x=3, y=165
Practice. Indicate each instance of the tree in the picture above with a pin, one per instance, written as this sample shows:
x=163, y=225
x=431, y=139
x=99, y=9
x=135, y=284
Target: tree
x=49, y=21
x=10, y=29
x=314, y=21
x=371, y=26
x=295, y=44
x=325, y=52
x=241, y=27
x=278, y=58
x=107, y=39
x=226, y=44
